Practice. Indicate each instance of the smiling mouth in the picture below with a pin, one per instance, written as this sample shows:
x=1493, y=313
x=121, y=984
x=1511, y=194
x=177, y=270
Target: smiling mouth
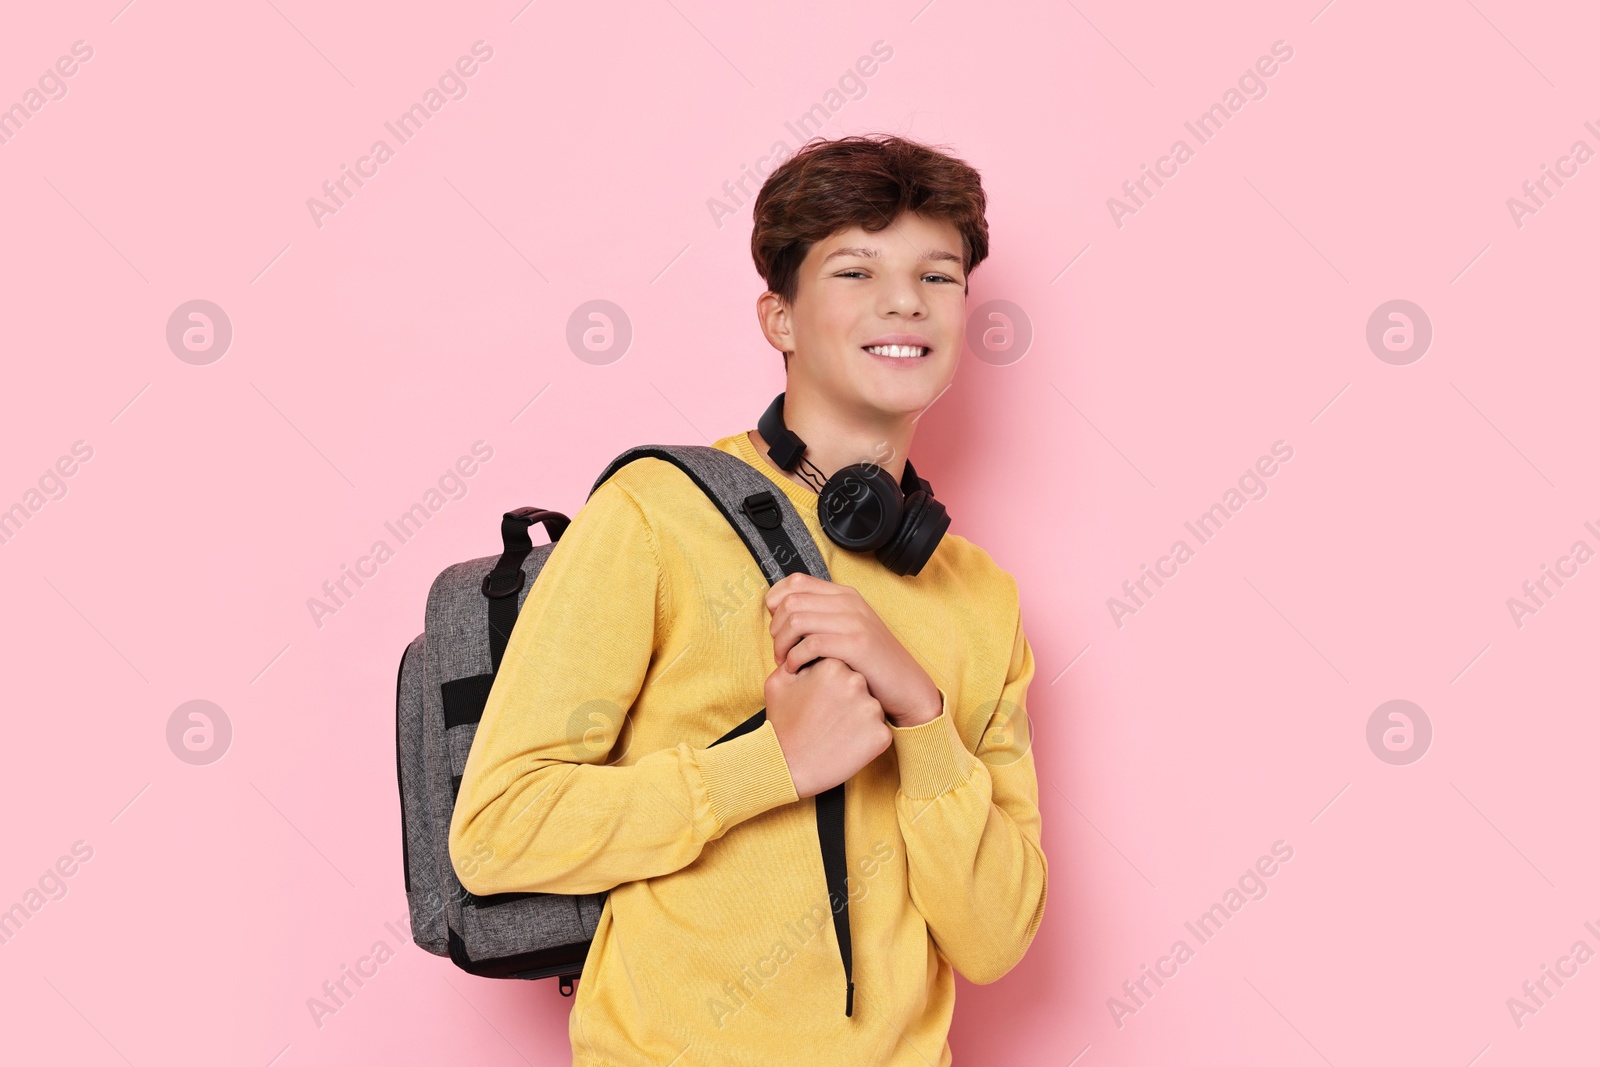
x=898, y=351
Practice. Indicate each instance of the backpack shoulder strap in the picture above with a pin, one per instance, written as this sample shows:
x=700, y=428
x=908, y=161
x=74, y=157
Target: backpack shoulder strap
x=763, y=518
x=780, y=542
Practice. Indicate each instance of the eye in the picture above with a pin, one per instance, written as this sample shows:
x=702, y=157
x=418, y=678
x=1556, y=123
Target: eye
x=852, y=270
x=940, y=278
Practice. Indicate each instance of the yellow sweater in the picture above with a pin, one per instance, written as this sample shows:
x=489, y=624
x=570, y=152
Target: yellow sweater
x=644, y=639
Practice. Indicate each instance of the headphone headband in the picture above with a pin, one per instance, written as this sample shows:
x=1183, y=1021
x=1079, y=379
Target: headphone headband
x=783, y=445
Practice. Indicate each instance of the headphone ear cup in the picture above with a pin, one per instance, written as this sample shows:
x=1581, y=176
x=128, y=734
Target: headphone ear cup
x=860, y=507
x=920, y=532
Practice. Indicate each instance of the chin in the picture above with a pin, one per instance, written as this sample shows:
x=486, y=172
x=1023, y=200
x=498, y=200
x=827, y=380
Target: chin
x=902, y=393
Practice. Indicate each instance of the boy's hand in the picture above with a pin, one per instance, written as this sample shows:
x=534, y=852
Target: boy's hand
x=812, y=618
x=828, y=725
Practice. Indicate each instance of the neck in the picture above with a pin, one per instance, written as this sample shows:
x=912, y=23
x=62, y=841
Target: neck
x=836, y=439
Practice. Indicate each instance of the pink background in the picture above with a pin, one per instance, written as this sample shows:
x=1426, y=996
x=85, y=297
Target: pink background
x=1168, y=354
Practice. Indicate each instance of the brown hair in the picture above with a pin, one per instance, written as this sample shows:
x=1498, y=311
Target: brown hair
x=829, y=186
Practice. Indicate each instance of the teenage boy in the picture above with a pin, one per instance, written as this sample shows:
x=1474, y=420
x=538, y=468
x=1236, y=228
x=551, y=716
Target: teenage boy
x=651, y=633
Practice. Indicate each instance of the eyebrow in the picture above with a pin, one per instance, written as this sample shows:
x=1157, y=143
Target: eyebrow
x=872, y=253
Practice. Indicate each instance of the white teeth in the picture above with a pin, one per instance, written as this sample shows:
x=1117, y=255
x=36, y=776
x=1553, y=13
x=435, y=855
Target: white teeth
x=898, y=351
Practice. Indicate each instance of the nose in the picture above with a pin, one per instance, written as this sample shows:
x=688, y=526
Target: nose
x=905, y=299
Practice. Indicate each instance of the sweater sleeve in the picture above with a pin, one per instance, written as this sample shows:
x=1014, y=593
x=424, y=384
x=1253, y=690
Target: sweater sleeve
x=542, y=806
x=971, y=827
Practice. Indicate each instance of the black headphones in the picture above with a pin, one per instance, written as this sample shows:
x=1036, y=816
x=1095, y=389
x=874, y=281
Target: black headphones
x=860, y=506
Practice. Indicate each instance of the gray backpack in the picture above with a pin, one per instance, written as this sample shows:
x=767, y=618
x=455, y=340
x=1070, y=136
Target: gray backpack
x=444, y=682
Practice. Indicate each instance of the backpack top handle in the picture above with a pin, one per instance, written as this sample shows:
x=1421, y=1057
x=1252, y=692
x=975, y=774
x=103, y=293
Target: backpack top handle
x=507, y=577
x=502, y=584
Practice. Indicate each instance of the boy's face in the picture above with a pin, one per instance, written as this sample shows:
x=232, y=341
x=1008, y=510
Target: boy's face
x=902, y=285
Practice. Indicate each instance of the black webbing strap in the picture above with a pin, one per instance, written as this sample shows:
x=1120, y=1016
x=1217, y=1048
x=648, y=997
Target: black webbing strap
x=502, y=584
x=752, y=723
x=465, y=698
x=830, y=831
x=762, y=510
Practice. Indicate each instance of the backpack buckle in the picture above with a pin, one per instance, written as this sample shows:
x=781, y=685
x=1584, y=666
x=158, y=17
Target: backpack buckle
x=762, y=510
x=497, y=590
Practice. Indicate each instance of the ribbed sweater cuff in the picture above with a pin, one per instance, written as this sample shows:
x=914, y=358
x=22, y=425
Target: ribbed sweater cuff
x=932, y=758
x=746, y=776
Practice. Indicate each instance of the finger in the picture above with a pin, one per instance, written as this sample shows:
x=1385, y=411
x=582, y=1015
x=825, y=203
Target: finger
x=791, y=626
x=820, y=646
x=807, y=602
x=804, y=653
x=816, y=609
x=788, y=627
x=801, y=619
x=794, y=583
x=781, y=588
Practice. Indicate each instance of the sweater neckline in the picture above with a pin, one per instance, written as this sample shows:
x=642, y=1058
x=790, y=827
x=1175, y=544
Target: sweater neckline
x=803, y=498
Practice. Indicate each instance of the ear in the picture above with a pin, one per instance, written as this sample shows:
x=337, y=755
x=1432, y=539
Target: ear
x=776, y=322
